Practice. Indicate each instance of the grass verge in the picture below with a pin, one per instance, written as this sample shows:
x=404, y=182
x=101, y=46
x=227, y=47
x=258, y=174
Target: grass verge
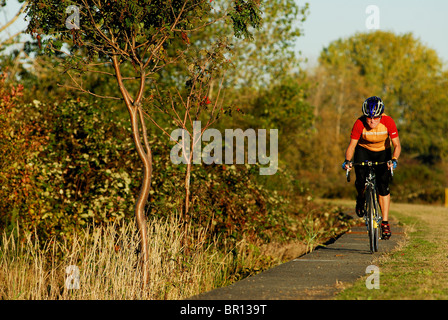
x=416, y=269
x=182, y=263
x=101, y=262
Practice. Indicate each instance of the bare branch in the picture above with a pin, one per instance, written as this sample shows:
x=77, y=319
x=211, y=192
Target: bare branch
x=161, y=42
x=155, y=123
x=153, y=52
x=10, y=39
x=150, y=41
x=80, y=88
x=216, y=102
x=178, y=120
x=158, y=67
x=89, y=92
x=10, y=22
x=134, y=59
x=102, y=72
x=202, y=26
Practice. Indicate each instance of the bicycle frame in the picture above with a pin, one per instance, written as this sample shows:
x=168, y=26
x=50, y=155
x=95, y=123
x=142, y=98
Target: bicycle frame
x=372, y=210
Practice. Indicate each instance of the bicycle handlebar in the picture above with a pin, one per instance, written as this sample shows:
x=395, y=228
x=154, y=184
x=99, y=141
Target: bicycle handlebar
x=369, y=164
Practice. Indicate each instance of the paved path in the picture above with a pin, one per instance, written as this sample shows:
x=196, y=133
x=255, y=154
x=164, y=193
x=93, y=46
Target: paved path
x=317, y=275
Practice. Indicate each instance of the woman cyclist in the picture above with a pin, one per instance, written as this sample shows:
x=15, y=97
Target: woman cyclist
x=371, y=139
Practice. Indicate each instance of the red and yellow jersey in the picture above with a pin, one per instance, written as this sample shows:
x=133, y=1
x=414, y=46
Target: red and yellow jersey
x=377, y=139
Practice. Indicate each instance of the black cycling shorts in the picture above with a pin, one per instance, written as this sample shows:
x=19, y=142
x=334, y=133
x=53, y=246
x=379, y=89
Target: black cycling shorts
x=382, y=172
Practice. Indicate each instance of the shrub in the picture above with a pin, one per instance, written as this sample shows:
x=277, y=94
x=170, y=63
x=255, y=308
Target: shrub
x=84, y=169
x=75, y=173
x=18, y=142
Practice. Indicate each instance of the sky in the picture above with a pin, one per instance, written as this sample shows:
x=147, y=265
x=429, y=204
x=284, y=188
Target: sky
x=330, y=20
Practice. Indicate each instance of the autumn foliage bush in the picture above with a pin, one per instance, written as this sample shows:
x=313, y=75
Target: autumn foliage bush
x=18, y=142
x=74, y=172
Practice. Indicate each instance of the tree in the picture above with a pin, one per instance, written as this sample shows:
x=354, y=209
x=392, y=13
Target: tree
x=336, y=95
x=271, y=56
x=398, y=68
x=405, y=73
x=128, y=41
x=261, y=62
x=283, y=106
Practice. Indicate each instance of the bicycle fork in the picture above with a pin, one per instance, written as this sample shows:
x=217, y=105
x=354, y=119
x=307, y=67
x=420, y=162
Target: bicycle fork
x=377, y=218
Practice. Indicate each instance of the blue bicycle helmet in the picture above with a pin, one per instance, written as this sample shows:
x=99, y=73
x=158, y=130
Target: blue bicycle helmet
x=373, y=107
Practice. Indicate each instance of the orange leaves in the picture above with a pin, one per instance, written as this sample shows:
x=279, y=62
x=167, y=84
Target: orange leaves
x=17, y=91
x=185, y=38
x=39, y=41
x=9, y=93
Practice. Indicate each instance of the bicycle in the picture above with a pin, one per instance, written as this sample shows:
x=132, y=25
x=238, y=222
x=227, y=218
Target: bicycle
x=372, y=209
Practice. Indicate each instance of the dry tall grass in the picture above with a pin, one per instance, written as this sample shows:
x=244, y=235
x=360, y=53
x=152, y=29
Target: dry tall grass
x=106, y=260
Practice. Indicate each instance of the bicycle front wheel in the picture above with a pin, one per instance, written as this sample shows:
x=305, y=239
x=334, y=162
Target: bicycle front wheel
x=370, y=219
x=376, y=223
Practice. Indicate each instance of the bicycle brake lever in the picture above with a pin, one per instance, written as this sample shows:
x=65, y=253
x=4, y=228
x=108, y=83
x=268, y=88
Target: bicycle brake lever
x=391, y=168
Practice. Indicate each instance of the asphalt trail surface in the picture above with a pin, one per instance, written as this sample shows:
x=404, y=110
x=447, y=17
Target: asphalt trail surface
x=318, y=275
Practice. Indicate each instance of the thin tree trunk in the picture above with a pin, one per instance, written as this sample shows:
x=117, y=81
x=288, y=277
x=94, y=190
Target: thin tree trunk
x=142, y=199
x=144, y=153
x=187, y=190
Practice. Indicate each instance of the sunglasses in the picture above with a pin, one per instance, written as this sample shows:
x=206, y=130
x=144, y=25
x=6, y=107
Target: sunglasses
x=373, y=118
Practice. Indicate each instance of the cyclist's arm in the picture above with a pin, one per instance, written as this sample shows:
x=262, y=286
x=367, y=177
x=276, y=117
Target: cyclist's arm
x=351, y=149
x=397, y=148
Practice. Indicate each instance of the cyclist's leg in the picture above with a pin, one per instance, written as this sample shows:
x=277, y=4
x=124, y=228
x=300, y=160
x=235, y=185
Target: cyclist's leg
x=383, y=179
x=361, y=154
x=384, y=201
x=360, y=188
x=382, y=182
x=385, y=205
